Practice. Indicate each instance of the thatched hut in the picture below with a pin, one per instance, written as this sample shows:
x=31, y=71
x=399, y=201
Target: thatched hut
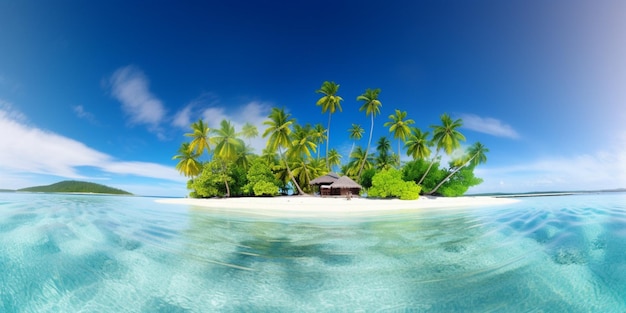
x=345, y=186
x=332, y=184
x=324, y=182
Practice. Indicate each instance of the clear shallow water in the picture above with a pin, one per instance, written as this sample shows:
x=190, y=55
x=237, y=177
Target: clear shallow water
x=79, y=253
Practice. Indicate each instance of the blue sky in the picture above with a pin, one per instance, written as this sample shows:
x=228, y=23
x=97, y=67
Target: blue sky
x=104, y=90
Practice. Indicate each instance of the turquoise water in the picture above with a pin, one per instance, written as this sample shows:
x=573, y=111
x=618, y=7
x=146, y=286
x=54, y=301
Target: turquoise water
x=82, y=253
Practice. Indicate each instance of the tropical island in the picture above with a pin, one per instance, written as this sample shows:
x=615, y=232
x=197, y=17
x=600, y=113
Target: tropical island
x=292, y=160
x=71, y=186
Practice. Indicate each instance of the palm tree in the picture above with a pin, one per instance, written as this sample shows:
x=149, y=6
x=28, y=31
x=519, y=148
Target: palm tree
x=384, y=160
x=356, y=133
x=330, y=102
x=226, y=141
x=399, y=126
x=319, y=135
x=227, y=146
x=359, y=159
x=418, y=145
x=302, y=142
x=371, y=105
x=244, y=156
x=476, y=155
x=200, y=135
x=446, y=137
x=383, y=146
x=334, y=158
x=188, y=164
x=302, y=170
x=249, y=131
x=279, y=128
x=269, y=157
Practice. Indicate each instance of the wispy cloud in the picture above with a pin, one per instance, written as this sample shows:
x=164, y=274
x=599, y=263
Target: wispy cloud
x=193, y=110
x=130, y=86
x=23, y=152
x=488, y=125
x=598, y=170
x=81, y=113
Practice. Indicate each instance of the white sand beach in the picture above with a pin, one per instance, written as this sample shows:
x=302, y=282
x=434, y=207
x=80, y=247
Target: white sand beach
x=328, y=206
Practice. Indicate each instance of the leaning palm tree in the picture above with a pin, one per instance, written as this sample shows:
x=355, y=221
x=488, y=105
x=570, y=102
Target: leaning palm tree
x=200, y=134
x=278, y=129
x=371, y=105
x=417, y=145
x=227, y=146
x=188, y=163
x=476, y=155
x=356, y=133
x=399, y=126
x=446, y=137
x=330, y=102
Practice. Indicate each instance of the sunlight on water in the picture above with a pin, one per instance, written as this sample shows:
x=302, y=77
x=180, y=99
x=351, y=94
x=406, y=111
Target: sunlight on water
x=70, y=253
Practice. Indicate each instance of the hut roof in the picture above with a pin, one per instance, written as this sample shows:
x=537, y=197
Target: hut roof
x=345, y=182
x=326, y=179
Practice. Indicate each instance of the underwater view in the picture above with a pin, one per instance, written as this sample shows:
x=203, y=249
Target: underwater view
x=88, y=253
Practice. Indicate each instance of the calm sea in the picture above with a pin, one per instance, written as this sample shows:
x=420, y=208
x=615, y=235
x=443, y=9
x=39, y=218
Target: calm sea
x=88, y=253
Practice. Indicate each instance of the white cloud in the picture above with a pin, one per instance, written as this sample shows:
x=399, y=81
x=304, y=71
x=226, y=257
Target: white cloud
x=131, y=87
x=192, y=111
x=80, y=111
x=30, y=150
x=488, y=125
x=599, y=170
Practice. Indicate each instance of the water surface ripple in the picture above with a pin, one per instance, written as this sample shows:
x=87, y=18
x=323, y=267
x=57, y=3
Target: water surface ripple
x=71, y=253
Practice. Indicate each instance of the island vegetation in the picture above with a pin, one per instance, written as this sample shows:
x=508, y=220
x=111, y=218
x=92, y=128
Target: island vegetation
x=291, y=158
x=71, y=186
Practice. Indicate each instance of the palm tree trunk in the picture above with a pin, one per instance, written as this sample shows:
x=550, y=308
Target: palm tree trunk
x=225, y=179
x=351, y=149
x=293, y=179
x=398, y=152
x=328, y=139
x=450, y=175
x=369, y=142
x=428, y=169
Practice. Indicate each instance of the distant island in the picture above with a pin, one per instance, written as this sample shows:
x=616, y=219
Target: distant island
x=72, y=186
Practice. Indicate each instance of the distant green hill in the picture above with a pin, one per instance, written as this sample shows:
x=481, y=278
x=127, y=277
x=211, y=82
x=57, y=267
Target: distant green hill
x=76, y=186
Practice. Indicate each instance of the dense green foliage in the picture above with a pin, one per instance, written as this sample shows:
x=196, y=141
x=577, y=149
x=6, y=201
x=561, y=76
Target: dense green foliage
x=389, y=184
x=261, y=180
x=211, y=183
x=458, y=184
x=291, y=158
x=78, y=187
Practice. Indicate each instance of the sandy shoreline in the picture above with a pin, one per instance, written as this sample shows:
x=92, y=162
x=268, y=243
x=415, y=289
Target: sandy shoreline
x=320, y=207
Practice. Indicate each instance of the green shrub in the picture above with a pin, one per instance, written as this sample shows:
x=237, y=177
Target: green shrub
x=389, y=184
x=265, y=188
x=261, y=180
